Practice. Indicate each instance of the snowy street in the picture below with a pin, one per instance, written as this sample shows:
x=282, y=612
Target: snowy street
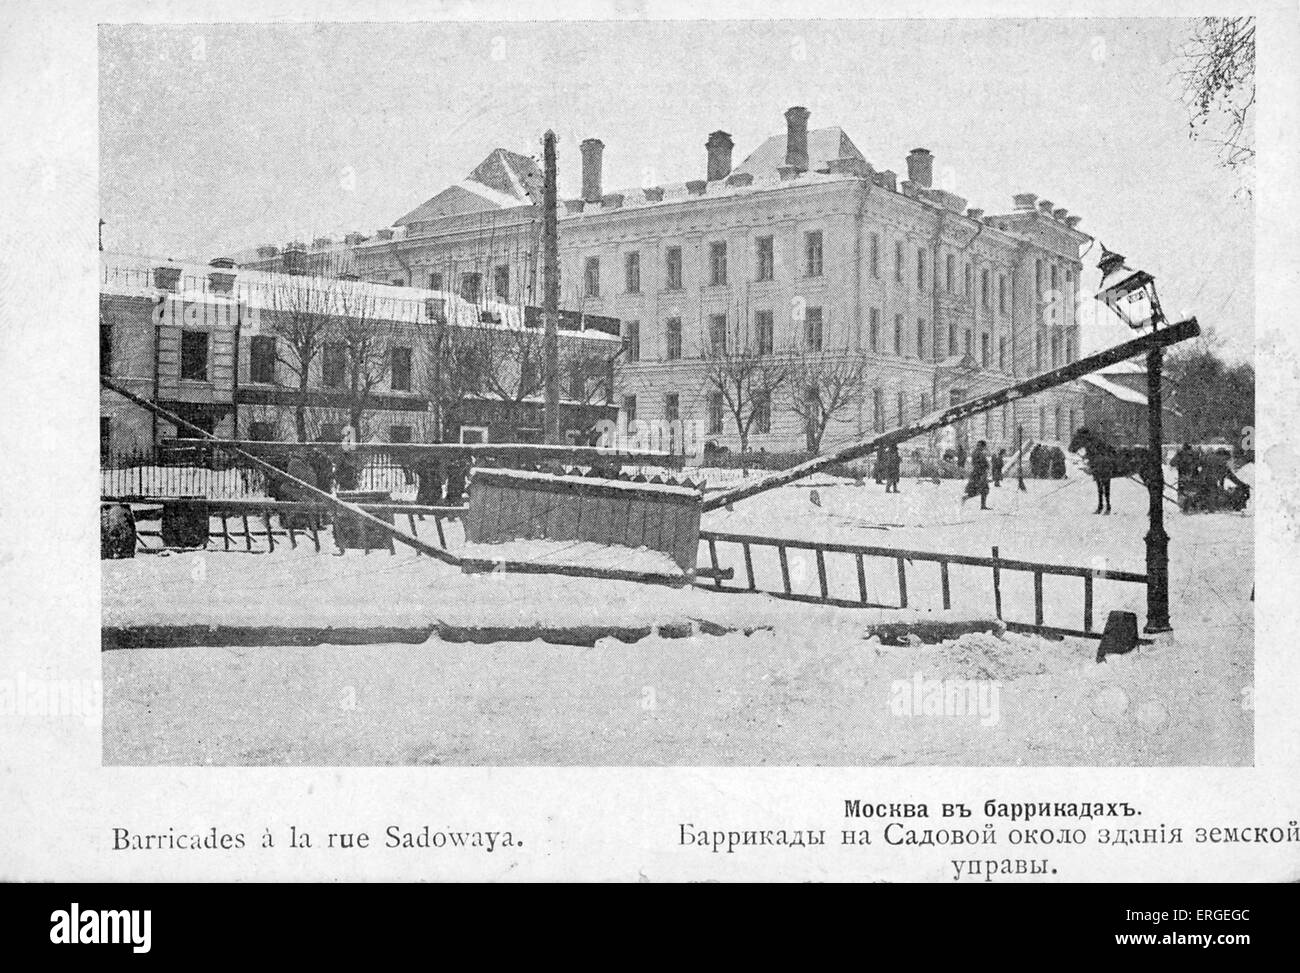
x=804, y=688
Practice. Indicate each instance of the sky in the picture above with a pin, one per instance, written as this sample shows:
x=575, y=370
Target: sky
x=215, y=138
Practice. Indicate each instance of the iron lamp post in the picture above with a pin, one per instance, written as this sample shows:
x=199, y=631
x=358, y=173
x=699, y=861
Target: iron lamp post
x=1132, y=295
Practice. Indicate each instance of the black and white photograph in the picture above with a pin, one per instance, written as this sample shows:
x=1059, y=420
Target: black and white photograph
x=470, y=411
x=629, y=442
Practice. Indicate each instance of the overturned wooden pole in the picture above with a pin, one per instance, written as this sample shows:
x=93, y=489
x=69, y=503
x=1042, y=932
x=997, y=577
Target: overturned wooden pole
x=1040, y=383
x=334, y=503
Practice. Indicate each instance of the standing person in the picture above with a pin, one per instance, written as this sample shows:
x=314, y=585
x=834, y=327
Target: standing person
x=893, y=467
x=1185, y=462
x=996, y=467
x=978, y=484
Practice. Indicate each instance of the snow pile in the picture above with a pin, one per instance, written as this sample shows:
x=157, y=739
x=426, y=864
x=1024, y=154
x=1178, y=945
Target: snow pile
x=979, y=655
x=586, y=554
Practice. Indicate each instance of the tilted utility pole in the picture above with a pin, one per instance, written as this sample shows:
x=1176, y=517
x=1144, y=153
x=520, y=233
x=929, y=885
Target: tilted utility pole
x=550, y=292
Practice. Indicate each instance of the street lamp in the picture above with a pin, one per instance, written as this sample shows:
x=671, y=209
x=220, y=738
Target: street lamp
x=1129, y=293
x=1132, y=295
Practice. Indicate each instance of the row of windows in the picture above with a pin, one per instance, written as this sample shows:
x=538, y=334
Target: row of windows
x=1047, y=275
x=1062, y=350
x=334, y=364
x=718, y=273
x=813, y=334
x=950, y=276
x=470, y=284
x=716, y=414
x=762, y=408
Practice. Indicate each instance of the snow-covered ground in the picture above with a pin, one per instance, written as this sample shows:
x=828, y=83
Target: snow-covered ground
x=806, y=688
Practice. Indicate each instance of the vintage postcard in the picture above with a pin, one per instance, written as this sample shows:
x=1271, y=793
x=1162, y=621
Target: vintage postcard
x=838, y=428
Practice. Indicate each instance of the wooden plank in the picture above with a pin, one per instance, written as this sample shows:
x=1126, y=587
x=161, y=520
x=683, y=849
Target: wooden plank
x=821, y=573
x=270, y=535
x=862, y=580
x=437, y=523
x=785, y=568
x=248, y=537
x=902, y=583
x=686, y=542
x=943, y=578
x=997, y=585
x=749, y=567
x=618, y=511
x=1087, y=603
x=225, y=531
x=1158, y=338
x=713, y=559
x=1038, y=598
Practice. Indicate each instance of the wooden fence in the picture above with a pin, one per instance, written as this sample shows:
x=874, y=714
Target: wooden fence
x=254, y=525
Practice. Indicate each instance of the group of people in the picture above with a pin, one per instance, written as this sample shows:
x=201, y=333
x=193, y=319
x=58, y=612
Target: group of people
x=1203, y=479
x=985, y=468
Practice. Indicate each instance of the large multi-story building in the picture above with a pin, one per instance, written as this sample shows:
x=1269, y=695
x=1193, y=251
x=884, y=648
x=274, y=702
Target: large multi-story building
x=804, y=248
x=249, y=354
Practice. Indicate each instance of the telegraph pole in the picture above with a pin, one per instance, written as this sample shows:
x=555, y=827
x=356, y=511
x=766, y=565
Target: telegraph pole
x=550, y=292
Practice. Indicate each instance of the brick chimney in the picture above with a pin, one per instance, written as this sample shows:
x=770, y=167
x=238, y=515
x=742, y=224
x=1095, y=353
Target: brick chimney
x=719, y=148
x=1060, y=213
x=592, y=150
x=1045, y=207
x=1024, y=200
x=796, y=138
x=294, y=257
x=920, y=167
x=166, y=278
x=221, y=277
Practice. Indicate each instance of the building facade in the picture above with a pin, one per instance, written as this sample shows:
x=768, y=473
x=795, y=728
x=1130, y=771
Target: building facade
x=247, y=354
x=804, y=249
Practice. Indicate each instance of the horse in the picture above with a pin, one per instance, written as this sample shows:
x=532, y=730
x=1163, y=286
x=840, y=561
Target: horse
x=1106, y=462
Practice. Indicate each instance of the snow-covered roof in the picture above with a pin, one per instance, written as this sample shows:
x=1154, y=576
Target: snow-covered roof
x=261, y=291
x=1121, y=392
x=1129, y=367
x=503, y=180
x=824, y=146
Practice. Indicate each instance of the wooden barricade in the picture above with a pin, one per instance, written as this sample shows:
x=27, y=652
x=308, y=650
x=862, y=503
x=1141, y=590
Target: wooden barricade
x=510, y=505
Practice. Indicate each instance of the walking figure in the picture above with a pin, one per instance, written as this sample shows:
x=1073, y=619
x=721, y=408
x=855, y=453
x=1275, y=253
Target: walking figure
x=996, y=467
x=893, y=465
x=978, y=484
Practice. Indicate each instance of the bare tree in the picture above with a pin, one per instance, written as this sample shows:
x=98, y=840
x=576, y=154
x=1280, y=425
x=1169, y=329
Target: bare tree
x=824, y=387
x=512, y=366
x=453, y=365
x=1217, y=70
x=746, y=381
x=366, y=337
x=591, y=369
x=300, y=311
